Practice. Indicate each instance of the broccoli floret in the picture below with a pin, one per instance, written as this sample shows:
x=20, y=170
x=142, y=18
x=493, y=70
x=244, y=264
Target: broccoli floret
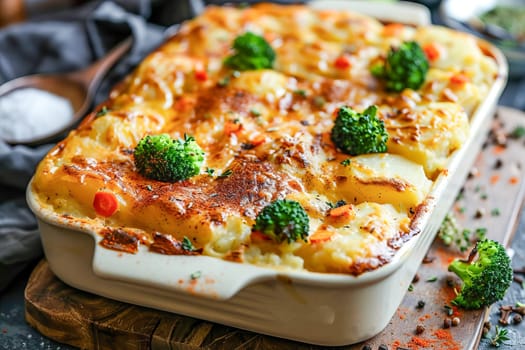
x=283, y=220
x=405, y=67
x=359, y=133
x=485, y=278
x=162, y=158
x=251, y=52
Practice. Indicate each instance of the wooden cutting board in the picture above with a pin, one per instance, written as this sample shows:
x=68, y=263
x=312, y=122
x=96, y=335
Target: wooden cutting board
x=491, y=199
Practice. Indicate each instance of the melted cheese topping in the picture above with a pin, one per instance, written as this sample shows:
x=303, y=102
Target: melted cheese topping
x=271, y=129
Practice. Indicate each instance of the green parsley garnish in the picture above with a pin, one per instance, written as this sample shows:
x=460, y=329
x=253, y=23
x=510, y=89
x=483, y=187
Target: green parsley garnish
x=187, y=245
x=499, y=337
x=255, y=112
x=449, y=310
x=300, y=92
x=224, y=81
x=102, y=112
x=225, y=174
x=480, y=233
x=319, y=101
x=518, y=132
x=195, y=275
x=346, y=162
x=337, y=204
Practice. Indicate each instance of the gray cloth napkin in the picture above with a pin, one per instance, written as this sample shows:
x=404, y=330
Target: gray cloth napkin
x=66, y=41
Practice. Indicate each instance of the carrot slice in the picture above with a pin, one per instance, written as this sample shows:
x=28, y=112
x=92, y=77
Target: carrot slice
x=231, y=127
x=259, y=236
x=321, y=236
x=431, y=50
x=343, y=210
x=258, y=140
x=105, y=203
x=393, y=29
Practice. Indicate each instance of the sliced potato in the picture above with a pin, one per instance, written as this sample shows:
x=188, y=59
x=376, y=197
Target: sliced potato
x=383, y=178
x=427, y=135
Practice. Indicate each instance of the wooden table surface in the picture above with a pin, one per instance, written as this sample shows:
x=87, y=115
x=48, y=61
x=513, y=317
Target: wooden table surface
x=491, y=199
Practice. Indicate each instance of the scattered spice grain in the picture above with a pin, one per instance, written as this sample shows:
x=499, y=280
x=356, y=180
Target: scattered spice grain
x=420, y=329
x=474, y=172
x=514, y=180
x=428, y=259
x=519, y=309
x=517, y=318
x=447, y=322
x=416, y=341
x=455, y=321
x=480, y=212
x=494, y=179
x=522, y=270
x=505, y=311
x=446, y=340
x=485, y=331
x=449, y=310
x=395, y=344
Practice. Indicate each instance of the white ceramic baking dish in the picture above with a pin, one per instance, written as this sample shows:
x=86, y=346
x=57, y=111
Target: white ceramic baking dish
x=323, y=309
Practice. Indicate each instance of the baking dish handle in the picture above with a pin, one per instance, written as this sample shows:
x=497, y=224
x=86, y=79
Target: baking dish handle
x=197, y=275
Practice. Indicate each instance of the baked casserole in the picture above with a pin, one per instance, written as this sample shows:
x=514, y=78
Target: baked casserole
x=267, y=136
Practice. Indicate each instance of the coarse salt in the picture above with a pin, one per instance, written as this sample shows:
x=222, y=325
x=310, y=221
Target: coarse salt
x=29, y=113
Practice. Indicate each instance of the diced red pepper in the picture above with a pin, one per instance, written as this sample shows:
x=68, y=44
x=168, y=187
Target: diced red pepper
x=342, y=62
x=459, y=79
x=201, y=75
